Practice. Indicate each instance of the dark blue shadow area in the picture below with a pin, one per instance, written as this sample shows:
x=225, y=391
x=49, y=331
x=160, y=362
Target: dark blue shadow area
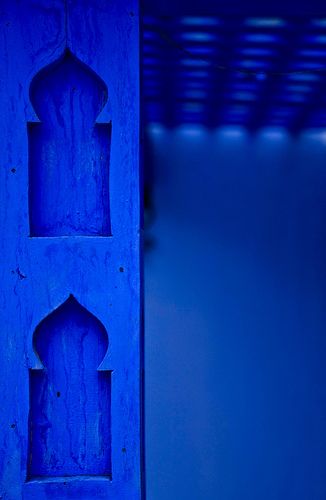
x=236, y=68
x=236, y=315
x=251, y=7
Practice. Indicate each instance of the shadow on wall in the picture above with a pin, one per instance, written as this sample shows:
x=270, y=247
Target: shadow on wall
x=235, y=315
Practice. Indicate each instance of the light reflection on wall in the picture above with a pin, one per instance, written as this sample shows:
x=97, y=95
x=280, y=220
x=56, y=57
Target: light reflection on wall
x=236, y=315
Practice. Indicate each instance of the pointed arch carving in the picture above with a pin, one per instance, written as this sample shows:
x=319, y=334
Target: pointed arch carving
x=70, y=396
x=69, y=152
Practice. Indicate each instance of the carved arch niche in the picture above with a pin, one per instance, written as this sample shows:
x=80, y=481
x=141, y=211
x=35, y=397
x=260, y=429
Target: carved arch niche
x=70, y=397
x=69, y=153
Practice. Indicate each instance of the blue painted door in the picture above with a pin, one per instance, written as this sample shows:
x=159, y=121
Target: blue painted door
x=70, y=302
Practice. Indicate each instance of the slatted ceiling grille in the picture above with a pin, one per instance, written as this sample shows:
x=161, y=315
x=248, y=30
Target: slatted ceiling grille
x=183, y=83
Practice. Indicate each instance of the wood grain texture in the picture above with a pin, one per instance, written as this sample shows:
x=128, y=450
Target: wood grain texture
x=69, y=154
x=102, y=273
x=70, y=398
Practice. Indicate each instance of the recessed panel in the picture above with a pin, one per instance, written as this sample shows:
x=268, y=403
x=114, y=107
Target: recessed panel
x=69, y=154
x=69, y=422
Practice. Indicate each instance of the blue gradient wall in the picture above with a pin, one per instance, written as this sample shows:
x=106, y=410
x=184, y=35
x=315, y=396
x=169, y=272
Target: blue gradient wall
x=236, y=316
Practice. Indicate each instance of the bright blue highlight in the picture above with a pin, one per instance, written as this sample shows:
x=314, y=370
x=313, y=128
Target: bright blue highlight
x=265, y=22
x=260, y=38
x=197, y=36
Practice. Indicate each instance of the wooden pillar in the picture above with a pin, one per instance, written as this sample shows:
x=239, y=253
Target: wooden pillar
x=70, y=246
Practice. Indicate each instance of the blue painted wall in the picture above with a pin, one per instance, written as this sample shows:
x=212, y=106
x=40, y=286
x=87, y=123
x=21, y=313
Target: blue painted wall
x=71, y=284
x=236, y=316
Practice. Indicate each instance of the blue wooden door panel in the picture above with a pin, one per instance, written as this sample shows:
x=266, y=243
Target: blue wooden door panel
x=70, y=294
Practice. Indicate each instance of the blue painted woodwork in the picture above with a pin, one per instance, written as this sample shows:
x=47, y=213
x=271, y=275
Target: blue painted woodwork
x=69, y=430
x=70, y=297
x=69, y=157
